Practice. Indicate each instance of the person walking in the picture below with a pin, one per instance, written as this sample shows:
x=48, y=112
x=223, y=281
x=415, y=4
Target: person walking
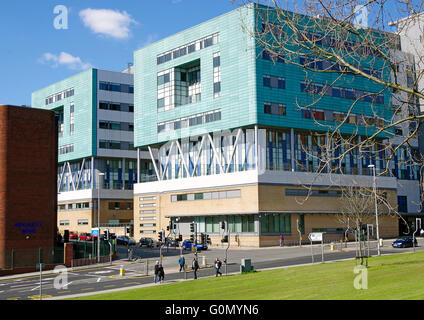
x=156, y=276
x=281, y=240
x=181, y=262
x=161, y=273
x=195, y=267
x=218, y=265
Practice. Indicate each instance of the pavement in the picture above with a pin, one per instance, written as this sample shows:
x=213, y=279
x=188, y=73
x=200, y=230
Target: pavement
x=107, y=278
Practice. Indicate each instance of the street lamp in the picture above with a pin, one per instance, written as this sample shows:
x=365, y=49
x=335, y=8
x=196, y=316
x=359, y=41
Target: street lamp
x=376, y=208
x=98, y=215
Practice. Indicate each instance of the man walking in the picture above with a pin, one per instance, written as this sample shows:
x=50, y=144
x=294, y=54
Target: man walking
x=195, y=267
x=161, y=273
x=218, y=265
x=281, y=240
x=156, y=276
x=181, y=262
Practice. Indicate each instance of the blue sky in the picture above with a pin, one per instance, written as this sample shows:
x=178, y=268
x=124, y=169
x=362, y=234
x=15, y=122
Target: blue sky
x=34, y=54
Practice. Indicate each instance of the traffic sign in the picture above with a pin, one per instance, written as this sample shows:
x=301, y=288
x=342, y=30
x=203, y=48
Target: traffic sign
x=316, y=236
x=95, y=232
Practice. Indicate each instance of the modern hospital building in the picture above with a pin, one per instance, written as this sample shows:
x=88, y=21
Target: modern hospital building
x=228, y=142
x=208, y=130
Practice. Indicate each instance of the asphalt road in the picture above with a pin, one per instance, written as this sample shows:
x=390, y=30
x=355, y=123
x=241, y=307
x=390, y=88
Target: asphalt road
x=97, y=279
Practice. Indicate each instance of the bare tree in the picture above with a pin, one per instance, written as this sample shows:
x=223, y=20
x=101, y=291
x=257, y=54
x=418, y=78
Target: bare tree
x=383, y=120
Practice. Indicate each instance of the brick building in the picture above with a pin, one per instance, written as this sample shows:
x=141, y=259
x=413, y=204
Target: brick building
x=28, y=167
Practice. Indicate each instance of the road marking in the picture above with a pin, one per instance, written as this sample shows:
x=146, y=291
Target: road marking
x=111, y=286
x=98, y=280
x=102, y=272
x=62, y=292
x=16, y=298
x=85, y=289
x=37, y=297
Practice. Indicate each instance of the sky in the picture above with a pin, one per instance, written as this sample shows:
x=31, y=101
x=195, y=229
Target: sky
x=36, y=50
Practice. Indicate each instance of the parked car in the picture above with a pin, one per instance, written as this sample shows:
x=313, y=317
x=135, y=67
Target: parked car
x=170, y=242
x=404, y=242
x=188, y=245
x=148, y=242
x=73, y=236
x=85, y=237
x=125, y=241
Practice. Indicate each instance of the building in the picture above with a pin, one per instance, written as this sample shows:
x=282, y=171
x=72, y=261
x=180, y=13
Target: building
x=228, y=142
x=97, y=159
x=28, y=165
x=412, y=42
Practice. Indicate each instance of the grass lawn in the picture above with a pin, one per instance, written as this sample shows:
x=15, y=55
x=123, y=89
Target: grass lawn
x=389, y=277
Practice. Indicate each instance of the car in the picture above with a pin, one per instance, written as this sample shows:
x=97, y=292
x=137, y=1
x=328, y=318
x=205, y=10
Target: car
x=85, y=237
x=148, y=242
x=73, y=236
x=170, y=242
x=188, y=245
x=404, y=242
x=125, y=241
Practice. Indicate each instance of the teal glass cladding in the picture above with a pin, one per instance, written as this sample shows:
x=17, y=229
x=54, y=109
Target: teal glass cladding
x=253, y=89
x=80, y=143
x=237, y=99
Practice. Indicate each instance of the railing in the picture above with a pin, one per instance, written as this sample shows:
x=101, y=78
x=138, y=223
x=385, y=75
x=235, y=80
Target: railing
x=88, y=262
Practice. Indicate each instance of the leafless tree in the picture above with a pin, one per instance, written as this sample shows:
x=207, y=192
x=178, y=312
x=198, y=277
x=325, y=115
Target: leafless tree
x=382, y=122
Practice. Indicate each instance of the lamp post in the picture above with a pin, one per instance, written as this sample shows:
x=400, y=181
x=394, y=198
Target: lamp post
x=98, y=215
x=376, y=208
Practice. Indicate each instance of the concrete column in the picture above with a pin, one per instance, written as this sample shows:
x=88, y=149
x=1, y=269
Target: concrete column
x=123, y=173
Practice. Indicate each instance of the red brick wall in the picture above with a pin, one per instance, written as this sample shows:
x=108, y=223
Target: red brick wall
x=28, y=169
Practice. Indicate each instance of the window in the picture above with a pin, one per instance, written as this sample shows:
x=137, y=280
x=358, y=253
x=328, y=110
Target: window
x=275, y=109
x=64, y=223
x=72, y=119
x=403, y=204
x=188, y=48
x=83, y=222
x=217, y=75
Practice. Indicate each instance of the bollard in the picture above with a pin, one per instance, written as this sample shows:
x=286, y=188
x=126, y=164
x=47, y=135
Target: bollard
x=381, y=242
x=332, y=246
x=122, y=271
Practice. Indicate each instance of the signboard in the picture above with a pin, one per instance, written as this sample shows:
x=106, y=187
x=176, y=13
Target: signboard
x=95, y=232
x=316, y=236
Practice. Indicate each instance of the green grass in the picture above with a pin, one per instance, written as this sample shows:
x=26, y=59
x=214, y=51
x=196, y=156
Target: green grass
x=389, y=277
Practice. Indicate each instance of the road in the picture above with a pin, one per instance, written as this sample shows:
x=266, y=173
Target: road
x=97, y=279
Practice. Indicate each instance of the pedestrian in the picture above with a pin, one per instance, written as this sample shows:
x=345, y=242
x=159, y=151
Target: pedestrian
x=161, y=273
x=195, y=267
x=281, y=240
x=156, y=276
x=181, y=262
x=218, y=265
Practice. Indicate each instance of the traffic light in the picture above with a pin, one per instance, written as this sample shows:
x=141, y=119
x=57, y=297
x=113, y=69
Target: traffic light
x=180, y=237
x=167, y=228
x=191, y=227
x=192, y=237
x=208, y=239
x=106, y=233
x=203, y=238
x=225, y=239
x=223, y=225
x=160, y=236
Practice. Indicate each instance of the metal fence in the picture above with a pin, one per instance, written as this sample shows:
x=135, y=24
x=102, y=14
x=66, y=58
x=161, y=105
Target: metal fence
x=88, y=262
x=88, y=249
x=30, y=258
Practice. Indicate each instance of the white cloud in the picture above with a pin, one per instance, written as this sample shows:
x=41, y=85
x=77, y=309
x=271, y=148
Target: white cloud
x=176, y=1
x=65, y=59
x=108, y=22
